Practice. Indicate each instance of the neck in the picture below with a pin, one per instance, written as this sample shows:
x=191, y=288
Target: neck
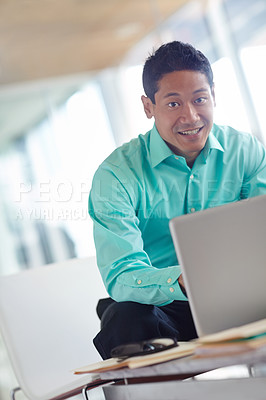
x=190, y=158
x=190, y=163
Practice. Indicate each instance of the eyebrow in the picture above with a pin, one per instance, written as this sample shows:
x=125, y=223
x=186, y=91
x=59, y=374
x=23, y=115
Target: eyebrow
x=170, y=94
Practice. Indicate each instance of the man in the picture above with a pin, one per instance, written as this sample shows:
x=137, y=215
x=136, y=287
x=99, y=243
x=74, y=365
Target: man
x=183, y=165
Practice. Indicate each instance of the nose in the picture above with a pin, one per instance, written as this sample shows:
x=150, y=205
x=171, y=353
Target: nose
x=188, y=114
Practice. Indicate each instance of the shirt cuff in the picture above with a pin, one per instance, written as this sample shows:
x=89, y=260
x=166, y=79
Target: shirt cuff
x=166, y=279
x=168, y=282
x=172, y=288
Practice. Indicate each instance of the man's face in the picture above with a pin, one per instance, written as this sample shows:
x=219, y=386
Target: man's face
x=183, y=112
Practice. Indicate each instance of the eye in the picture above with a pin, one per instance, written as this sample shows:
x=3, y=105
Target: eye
x=201, y=100
x=173, y=104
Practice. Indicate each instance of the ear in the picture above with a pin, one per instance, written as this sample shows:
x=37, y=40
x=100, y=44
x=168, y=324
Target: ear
x=148, y=106
x=213, y=94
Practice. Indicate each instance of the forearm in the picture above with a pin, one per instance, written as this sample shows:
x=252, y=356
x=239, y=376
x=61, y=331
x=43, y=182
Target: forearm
x=143, y=283
x=127, y=270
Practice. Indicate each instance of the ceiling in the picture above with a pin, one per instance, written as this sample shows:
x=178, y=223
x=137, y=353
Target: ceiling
x=48, y=47
x=48, y=38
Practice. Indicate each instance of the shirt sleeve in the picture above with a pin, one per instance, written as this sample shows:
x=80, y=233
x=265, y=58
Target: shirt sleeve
x=254, y=183
x=125, y=267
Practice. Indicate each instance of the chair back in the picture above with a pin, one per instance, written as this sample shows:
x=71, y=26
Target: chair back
x=48, y=320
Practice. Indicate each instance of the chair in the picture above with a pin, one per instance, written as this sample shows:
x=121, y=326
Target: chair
x=48, y=320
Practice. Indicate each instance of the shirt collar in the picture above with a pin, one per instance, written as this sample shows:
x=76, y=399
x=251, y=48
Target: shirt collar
x=212, y=143
x=159, y=150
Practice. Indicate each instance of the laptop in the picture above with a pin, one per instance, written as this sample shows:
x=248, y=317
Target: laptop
x=222, y=253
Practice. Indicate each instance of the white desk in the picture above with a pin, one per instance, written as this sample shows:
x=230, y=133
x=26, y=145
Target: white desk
x=189, y=366
x=235, y=389
x=143, y=384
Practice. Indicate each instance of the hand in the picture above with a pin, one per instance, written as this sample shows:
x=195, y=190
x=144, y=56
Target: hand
x=182, y=284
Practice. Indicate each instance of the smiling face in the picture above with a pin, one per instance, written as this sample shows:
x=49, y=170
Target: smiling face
x=183, y=112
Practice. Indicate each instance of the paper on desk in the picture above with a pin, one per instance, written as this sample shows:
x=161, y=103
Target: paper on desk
x=216, y=349
x=188, y=348
x=101, y=366
x=241, y=332
x=184, y=349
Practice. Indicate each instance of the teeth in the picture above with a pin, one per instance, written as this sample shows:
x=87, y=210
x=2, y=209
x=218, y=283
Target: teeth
x=193, y=132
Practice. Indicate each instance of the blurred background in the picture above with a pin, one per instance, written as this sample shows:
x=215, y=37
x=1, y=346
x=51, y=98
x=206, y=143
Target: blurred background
x=70, y=88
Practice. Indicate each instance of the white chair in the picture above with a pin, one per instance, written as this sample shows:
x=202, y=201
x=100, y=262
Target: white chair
x=48, y=320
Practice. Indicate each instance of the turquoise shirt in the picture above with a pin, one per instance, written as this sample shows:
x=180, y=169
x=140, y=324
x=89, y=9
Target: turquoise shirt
x=142, y=185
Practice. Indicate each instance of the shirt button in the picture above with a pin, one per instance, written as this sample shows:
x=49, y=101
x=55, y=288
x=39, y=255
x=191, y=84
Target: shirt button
x=191, y=176
x=176, y=158
x=139, y=281
x=169, y=280
x=172, y=289
x=192, y=210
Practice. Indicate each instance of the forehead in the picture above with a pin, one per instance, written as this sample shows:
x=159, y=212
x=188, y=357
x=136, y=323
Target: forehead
x=181, y=82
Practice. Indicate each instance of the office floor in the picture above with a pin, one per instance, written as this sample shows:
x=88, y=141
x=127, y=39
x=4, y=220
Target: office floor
x=8, y=380
x=7, y=377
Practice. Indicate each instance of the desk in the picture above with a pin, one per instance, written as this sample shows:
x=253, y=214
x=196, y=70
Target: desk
x=172, y=388
x=229, y=389
x=189, y=365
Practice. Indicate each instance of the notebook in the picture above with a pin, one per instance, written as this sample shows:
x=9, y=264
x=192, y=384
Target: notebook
x=222, y=253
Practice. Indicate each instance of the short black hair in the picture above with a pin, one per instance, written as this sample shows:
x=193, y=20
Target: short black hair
x=170, y=57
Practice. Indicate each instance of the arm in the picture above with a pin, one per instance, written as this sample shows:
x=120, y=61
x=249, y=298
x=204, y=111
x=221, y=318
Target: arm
x=125, y=267
x=254, y=183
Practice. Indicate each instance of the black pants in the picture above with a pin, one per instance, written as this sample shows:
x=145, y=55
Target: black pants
x=127, y=322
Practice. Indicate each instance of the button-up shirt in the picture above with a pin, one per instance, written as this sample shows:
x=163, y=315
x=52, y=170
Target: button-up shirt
x=142, y=185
